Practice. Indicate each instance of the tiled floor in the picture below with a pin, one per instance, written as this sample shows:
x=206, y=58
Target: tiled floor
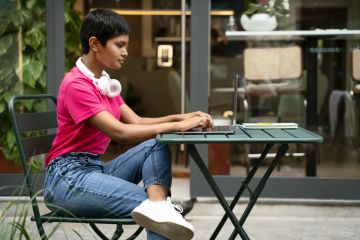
x=271, y=219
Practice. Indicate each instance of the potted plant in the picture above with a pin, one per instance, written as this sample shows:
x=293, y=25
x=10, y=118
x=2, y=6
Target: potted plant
x=264, y=15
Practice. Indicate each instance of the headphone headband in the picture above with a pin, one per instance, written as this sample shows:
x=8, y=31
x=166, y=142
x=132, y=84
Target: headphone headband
x=105, y=85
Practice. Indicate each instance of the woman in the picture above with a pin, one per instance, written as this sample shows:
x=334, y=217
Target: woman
x=91, y=113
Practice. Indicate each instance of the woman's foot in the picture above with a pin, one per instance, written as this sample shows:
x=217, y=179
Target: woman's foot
x=161, y=217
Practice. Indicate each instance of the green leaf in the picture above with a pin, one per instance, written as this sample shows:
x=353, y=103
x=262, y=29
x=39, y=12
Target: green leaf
x=7, y=96
x=34, y=38
x=28, y=104
x=77, y=233
x=42, y=80
x=2, y=107
x=37, y=68
x=6, y=72
x=4, y=25
x=10, y=138
x=31, y=71
x=40, y=53
x=6, y=8
x=5, y=43
x=20, y=17
x=39, y=10
x=22, y=229
x=30, y=4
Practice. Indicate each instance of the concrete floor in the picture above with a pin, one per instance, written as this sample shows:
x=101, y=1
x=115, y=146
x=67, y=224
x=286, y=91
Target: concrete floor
x=271, y=219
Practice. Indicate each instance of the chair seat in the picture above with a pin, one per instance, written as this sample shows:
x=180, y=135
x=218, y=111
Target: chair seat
x=52, y=217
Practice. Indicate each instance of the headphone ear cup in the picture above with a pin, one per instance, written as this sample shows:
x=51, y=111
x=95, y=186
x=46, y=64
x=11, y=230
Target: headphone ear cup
x=114, y=88
x=103, y=85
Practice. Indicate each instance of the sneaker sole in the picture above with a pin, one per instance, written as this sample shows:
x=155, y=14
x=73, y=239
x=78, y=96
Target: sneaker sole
x=169, y=230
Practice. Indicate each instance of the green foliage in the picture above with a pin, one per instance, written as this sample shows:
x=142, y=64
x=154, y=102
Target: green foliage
x=23, y=29
x=14, y=221
x=72, y=38
x=29, y=19
x=278, y=8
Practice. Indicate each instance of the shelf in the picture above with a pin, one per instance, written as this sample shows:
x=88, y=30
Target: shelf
x=167, y=12
x=170, y=39
x=292, y=35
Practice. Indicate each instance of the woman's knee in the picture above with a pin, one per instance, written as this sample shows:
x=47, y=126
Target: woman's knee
x=161, y=148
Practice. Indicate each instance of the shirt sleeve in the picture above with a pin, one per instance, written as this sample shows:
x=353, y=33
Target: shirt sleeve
x=119, y=100
x=82, y=100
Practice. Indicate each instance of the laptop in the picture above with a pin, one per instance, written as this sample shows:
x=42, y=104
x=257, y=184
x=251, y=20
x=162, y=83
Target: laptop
x=220, y=129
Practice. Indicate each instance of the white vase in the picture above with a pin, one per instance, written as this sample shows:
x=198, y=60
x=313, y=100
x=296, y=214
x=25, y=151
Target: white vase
x=258, y=22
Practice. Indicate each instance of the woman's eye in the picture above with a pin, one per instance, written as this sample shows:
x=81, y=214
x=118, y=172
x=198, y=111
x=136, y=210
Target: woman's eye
x=123, y=46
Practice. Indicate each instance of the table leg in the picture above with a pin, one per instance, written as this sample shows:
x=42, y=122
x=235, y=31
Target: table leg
x=200, y=163
x=259, y=188
x=311, y=97
x=244, y=186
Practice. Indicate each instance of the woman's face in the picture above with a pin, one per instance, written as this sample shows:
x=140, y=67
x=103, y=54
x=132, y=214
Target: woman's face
x=114, y=53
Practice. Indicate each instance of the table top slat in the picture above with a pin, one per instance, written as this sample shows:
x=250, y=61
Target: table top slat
x=301, y=134
x=258, y=133
x=298, y=135
x=280, y=133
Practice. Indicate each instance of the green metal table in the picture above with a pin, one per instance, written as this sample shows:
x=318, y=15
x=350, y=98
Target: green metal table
x=270, y=137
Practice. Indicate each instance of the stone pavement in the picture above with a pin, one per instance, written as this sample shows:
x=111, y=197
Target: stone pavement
x=271, y=219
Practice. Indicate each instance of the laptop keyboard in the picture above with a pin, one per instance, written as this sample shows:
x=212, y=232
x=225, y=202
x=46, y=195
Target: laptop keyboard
x=220, y=128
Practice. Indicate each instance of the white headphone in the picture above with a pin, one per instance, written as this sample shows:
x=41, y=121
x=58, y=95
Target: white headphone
x=105, y=85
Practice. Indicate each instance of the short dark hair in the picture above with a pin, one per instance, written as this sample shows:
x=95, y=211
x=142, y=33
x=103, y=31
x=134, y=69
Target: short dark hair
x=102, y=24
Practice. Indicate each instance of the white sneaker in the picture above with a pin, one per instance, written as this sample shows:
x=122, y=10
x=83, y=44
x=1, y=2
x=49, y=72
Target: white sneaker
x=161, y=218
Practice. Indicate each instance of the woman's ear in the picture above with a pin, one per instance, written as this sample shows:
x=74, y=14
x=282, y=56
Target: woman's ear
x=94, y=44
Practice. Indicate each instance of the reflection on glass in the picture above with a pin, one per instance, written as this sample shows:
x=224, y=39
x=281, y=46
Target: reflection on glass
x=325, y=68
x=326, y=85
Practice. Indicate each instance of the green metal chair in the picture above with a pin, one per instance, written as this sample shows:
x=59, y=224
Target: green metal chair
x=34, y=132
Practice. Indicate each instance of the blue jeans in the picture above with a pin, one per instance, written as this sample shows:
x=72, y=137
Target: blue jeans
x=81, y=184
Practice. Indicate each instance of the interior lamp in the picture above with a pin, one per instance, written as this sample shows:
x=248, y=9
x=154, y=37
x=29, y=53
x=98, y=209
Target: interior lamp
x=165, y=55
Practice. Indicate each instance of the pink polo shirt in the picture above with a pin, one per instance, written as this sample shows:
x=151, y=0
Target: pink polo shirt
x=79, y=99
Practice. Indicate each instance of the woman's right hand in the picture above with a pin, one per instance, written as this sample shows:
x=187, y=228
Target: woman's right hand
x=194, y=122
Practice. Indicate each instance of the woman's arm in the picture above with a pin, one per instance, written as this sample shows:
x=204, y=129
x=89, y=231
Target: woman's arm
x=127, y=133
x=129, y=116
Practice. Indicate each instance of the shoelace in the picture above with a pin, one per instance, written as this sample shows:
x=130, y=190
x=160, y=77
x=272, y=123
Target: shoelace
x=177, y=207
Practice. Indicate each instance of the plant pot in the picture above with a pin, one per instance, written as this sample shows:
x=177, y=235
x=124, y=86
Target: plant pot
x=7, y=166
x=258, y=22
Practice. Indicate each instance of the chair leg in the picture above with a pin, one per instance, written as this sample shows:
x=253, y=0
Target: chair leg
x=135, y=234
x=41, y=230
x=118, y=232
x=98, y=232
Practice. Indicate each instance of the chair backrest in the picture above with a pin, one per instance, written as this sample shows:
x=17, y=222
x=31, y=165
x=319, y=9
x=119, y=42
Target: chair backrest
x=34, y=131
x=356, y=65
x=272, y=63
x=271, y=71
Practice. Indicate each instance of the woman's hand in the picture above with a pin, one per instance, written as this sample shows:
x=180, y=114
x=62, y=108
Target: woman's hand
x=210, y=122
x=197, y=121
